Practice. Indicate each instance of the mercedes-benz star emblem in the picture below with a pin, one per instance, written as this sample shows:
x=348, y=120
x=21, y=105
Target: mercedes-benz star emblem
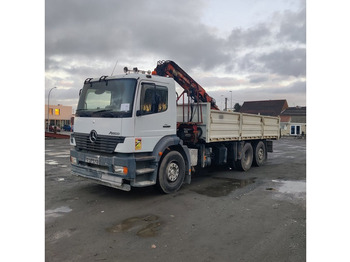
x=93, y=136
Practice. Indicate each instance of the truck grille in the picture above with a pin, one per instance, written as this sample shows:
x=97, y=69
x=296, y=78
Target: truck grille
x=105, y=144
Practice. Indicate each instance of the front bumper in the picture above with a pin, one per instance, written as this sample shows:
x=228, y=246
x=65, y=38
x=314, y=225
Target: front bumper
x=100, y=177
x=101, y=169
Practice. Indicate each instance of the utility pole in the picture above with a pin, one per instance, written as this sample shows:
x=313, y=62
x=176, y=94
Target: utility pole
x=222, y=101
x=48, y=110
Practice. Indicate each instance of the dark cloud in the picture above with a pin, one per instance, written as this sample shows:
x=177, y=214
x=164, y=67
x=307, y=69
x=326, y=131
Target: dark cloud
x=220, y=81
x=108, y=28
x=293, y=26
x=276, y=46
x=255, y=79
x=104, y=28
x=84, y=38
x=288, y=62
x=282, y=61
x=251, y=37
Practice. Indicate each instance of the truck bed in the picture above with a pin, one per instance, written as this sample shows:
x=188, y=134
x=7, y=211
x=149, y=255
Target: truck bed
x=218, y=126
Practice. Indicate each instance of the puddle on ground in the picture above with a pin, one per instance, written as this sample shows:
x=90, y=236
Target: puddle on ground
x=290, y=190
x=144, y=226
x=51, y=162
x=57, y=212
x=224, y=187
x=292, y=187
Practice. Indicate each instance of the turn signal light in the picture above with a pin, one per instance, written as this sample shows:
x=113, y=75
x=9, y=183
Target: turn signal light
x=125, y=170
x=121, y=170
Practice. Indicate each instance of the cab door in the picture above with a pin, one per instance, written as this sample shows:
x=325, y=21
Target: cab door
x=155, y=114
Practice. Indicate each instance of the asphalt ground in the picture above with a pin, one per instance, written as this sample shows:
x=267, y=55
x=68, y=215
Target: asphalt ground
x=223, y=215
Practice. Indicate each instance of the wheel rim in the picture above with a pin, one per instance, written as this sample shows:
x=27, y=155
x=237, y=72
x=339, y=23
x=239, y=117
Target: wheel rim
x=173, y=171
x=261, y=154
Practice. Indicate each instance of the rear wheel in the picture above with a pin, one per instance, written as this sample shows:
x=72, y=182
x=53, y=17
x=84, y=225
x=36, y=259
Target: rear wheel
x=171, y=172
x=259, y=154
x=246, y=160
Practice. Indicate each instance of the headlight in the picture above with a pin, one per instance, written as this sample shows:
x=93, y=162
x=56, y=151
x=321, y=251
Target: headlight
x=73, y=160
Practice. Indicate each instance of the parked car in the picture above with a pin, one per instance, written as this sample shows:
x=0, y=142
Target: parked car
x=67, y=128
x=52, y=128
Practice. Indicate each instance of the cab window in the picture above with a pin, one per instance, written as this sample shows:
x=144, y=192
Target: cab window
x=154, y=99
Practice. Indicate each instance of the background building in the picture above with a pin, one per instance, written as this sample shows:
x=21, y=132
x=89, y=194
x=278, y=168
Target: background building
x=265, y=107
x=59, y=115
x=293, y=121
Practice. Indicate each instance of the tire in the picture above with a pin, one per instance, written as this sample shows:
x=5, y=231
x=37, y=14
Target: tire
x=260, y=154
x=246, y=160
x=171, y=172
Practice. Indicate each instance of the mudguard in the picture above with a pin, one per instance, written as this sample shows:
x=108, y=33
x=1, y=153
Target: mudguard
x=173, y=140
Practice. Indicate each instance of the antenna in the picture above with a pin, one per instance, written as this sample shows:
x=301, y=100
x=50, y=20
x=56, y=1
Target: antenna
x=114, y=67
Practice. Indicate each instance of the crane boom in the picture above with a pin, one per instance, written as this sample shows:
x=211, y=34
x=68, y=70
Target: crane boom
x=191, y=87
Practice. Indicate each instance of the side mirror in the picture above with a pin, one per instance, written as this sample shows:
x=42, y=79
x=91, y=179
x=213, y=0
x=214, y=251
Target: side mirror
x=81, y=90
x=138, y=113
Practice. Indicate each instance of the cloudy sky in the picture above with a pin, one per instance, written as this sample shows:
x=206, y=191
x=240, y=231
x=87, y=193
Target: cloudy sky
x=254, y=48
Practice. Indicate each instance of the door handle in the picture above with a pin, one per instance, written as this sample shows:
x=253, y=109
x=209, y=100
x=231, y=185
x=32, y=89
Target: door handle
x=166, y=126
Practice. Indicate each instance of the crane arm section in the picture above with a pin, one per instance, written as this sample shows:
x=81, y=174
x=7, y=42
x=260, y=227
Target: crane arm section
x=192, y=88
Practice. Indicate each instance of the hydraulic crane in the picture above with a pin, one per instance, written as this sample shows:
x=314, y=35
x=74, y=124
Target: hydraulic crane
x=188, y=131
x=191, y=87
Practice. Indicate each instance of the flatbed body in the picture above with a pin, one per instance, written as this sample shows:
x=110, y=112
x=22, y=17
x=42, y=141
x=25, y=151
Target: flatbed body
x=221, y=126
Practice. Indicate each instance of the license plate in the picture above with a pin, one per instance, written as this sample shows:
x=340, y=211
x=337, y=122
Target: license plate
x=91, y=160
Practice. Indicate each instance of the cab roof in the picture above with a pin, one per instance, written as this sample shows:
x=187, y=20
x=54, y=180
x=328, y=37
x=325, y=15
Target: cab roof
x=131, y=75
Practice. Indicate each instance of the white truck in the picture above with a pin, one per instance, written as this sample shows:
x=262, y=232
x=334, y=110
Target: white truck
x=132, y=130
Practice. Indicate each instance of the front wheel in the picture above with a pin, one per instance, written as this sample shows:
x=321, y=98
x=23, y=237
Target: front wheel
x=171, y=172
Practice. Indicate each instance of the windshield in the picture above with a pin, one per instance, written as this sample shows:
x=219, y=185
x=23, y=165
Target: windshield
x=112, y=98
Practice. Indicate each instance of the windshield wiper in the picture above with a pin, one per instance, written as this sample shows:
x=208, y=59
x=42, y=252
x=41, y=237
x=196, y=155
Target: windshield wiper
x=101, y=113
x=83, y=112
x=102, y=110
x=106, y=113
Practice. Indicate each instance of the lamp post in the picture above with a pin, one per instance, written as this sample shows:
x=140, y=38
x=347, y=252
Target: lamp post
x=231, y=101
x=222, y=102
x=48, y=110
